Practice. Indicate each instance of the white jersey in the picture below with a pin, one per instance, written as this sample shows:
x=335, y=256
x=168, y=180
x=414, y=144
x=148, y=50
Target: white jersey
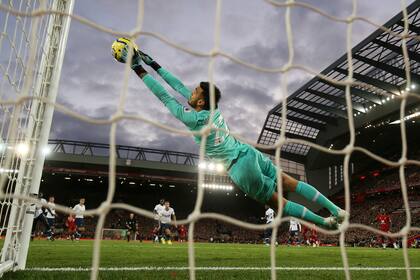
x=269, y=215
x=80, y=209
x=294, y=225
x=38, y=208
x=165, y=215
x=158, y=209
x=50, y=210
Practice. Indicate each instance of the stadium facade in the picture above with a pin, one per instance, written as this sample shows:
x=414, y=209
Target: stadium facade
x=317, y=111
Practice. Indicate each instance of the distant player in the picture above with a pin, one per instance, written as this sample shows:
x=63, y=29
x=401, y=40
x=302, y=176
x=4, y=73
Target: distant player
x=310, y=236
x=158, y=230
x=39, y=217
x=71, y=227
x=155, y=233
x=294, y=229
x=166, y=216
x=306, y=234
x=182, y=233
x=131, y=226
x=80, y=221
x=384, y=222
x=250, y=170
x=313, y=238
x=51, y=215
x=269, y=218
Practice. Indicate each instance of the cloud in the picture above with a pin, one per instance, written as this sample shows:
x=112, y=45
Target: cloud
x=253, y=31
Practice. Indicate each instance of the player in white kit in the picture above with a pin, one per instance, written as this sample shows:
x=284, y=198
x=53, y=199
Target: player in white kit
x=80, y=221
x=166, y=216
x=157, y=228
x=269, y=218
x=51, y=215
x=39, y=216
x=294, y=229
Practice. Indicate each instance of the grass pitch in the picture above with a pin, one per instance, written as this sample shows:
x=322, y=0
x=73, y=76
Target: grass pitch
x=122, y=260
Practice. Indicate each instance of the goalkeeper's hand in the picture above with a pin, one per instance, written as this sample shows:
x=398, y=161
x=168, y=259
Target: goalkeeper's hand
x=135, y=60
x=121, y=52
x=124, y=50
x=147, y=59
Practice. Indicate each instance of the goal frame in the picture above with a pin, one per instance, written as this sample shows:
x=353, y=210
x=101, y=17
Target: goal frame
x=46, y=81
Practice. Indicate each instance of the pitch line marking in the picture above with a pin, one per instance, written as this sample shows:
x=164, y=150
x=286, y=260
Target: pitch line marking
x=204, y=268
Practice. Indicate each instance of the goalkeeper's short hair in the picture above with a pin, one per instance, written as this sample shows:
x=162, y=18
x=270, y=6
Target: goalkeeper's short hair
x=206, y=94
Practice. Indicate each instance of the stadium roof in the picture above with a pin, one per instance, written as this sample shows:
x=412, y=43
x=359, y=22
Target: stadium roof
x=92, y=159
x=317, y=111
x=66, y=153
x=123, y=152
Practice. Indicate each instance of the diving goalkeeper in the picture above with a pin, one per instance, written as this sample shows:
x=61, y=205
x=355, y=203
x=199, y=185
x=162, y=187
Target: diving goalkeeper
x=248, y=168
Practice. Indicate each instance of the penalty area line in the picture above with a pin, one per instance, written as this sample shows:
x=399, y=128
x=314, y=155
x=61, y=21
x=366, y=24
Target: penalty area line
x=163, y=268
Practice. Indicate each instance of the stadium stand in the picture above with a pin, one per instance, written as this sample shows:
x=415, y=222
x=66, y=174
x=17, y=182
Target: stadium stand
x=371, y=191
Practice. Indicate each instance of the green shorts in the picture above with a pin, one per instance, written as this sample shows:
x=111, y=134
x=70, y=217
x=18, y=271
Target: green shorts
x=255, y=174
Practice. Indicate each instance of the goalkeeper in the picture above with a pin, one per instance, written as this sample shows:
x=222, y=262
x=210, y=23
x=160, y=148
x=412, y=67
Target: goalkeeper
x=248, y=168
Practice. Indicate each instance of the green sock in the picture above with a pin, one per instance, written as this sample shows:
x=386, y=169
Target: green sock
x=299, y=211
x=312, y=194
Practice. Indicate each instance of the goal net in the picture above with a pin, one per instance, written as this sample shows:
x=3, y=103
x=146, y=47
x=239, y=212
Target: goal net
x=32, y=45
x=31, y=52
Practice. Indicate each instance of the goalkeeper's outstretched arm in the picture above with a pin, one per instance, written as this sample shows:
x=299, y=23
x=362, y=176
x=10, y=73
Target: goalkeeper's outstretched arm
x=123, y=48
x=171, y=79
x=188, y=117
x=175, y=83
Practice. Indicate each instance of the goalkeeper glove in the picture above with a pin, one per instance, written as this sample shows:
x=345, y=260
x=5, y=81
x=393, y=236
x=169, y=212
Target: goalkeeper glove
x=121, y=50
x=135, y=61
x=148, y=60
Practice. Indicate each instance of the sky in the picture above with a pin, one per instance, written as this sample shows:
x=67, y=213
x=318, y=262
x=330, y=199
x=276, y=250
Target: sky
x=251, y=30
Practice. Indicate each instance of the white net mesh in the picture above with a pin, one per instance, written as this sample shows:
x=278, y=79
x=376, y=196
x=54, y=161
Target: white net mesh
x=21, y=49
x=21, y=46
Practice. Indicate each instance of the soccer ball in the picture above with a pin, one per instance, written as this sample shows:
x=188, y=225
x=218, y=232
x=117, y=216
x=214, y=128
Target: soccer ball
x=120, y=48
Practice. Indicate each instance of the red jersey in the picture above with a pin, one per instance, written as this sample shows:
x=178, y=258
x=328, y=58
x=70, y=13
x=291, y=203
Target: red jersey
x=305, y=231
x=314, y=235
x=71, y=223
x=384, y=222
x=182, y=231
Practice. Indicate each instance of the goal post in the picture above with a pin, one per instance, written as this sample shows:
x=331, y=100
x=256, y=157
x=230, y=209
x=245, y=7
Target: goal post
x=25, y=141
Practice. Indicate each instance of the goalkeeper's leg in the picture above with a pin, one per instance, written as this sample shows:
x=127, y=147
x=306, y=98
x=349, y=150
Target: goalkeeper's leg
x=311, y=194
x=249, y=174
x=293, y=209
x=290, y=184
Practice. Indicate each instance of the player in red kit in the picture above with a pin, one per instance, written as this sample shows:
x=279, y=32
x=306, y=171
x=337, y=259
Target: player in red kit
x=384, y=222
x=182, y=233
x=71, y=226
x=313, y=238
x=305, y=232
x=310, y=236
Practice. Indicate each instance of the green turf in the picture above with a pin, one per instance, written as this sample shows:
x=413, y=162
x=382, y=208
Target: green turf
x=120, y=254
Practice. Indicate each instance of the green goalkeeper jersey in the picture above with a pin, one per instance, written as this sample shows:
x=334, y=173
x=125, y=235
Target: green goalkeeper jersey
x=220, y=145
